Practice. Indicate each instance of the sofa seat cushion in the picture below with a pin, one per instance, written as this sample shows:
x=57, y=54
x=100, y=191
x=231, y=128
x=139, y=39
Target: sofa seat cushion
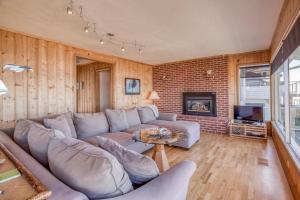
x=133, y=117
x=90, y=124
x=117, y=120
x=122, y=138
x=190, y=130
x=140, y=168
x=137, y=128
x=88, y=169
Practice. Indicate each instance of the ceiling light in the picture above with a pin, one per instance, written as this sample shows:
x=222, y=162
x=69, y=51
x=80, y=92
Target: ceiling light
x=3, y=88
x=70, y=8
x=16, y=68
x=101, y=42
x=140, y=51
x=122, y=49
x=86, y=28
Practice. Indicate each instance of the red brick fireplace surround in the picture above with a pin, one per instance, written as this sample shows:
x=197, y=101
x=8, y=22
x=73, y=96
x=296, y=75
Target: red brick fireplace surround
x=172, y=79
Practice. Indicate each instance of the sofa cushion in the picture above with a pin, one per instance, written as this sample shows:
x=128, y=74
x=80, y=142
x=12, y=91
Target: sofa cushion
x=59, y=123
x=117, y=120
x=21, y=133
x=122, y=138
x=90, y=124
x=68, y=116
x=133, y=117
x=38, y=140
x=140, y=168
x=146, y=114
x=88, y=169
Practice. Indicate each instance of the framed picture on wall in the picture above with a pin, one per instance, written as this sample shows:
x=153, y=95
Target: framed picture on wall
x=132, y=86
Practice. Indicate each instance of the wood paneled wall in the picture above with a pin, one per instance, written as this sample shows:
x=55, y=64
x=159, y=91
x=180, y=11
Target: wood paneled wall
x=290, y=167
x=87, y=96
x=235, y=61
x=50, y=87
x=288, y=14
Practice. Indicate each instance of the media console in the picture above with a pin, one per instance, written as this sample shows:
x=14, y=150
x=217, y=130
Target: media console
x=248, y=129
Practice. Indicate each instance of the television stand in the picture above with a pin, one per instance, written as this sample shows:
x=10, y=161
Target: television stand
x=240, y=128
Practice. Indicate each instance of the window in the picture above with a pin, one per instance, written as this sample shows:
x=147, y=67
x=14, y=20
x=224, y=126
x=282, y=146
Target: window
x=280, y=99
x=294, y=99
x=255, y=88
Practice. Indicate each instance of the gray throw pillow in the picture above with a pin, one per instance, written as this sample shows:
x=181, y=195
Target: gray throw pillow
x=90, y=124
x=88, y=169
x=38, y=140
x=21, y=133
x=140, y=168
x=117, y=120
x=59, y=123
x=69, y=118
x=133, y=117
x=146, y=115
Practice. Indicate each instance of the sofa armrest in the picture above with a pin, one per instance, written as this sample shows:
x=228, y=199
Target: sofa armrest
x=172, y=184
x=167, y=116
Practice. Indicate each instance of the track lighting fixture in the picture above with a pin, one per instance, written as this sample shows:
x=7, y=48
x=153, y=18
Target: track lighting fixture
x=70, y=8
x=140, y=51
x=101, y=42
x=123, y=49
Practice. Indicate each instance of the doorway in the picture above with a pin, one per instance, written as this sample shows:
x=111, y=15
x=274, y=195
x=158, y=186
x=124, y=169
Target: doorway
x=93, y=85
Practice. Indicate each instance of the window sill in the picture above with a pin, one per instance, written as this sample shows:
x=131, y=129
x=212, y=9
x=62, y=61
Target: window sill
x=289, y=149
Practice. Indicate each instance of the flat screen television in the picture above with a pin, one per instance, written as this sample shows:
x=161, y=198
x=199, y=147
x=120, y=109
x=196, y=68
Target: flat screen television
x=249, y=113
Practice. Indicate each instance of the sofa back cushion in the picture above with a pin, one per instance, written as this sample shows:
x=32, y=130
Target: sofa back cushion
x=133, y=117
x=21, y=133
x=59, y=123
x=88, y=169
x=117, y=120
x=140, y=168
x=38, y=141
x=90, y=124
x=146, y=114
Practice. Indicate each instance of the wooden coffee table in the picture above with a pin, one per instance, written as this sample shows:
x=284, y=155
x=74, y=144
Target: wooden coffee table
x=27, y=186
x=159, y=153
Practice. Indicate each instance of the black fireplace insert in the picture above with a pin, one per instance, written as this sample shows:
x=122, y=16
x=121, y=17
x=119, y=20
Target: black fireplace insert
x=199, y=103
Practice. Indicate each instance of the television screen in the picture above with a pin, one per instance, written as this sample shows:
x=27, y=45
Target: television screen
x=249, y=113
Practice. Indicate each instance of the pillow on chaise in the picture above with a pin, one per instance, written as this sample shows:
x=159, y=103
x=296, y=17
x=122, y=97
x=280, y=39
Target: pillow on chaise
x=90, y=124
x=146, y=114
x=59, y=123
x=117, y=120
x=88, y=169
x=133, y=117
x=140, y=168
x=38, y=141
x=21, y=133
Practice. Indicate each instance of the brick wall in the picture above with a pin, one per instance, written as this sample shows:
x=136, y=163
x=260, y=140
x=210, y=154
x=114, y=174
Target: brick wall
x=172, y=79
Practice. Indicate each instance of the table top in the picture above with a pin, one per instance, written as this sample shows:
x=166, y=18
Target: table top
x=26, y=186
x=151, y=136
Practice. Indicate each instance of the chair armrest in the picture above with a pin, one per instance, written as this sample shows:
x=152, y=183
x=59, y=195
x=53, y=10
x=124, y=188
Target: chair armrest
x=167, y=116
x=172, y=184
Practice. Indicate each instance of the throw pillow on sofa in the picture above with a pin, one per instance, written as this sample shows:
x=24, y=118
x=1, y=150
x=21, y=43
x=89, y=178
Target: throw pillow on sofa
x=140, y=168
x=88, y=169
x=146, y=114
x=90, y=124
x=38, y=140
x=133, y=117
x=59, y=123
x=117, y=120
x=21, y=133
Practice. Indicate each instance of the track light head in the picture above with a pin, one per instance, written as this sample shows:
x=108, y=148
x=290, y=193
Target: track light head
x=86, y=28
x=101, y=42
x=122, y=49
x=70, y=8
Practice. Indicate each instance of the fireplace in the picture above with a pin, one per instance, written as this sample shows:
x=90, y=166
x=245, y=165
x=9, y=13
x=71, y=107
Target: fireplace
x=199, y=103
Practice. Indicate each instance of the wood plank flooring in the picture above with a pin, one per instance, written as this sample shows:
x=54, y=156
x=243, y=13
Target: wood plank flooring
x=233, y=169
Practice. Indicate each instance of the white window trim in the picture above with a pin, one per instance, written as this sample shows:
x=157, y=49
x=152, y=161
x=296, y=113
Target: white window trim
x=286, y=101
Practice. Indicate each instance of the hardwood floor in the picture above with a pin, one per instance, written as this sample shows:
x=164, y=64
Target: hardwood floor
x=233, y=169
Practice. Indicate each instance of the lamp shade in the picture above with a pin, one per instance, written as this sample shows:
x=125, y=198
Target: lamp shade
x=153, y=96
x=3, y=88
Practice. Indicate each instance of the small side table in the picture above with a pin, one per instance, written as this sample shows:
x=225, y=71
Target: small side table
x=159, y=153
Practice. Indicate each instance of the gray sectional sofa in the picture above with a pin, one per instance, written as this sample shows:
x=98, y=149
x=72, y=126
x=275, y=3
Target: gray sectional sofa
x=120, y=126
